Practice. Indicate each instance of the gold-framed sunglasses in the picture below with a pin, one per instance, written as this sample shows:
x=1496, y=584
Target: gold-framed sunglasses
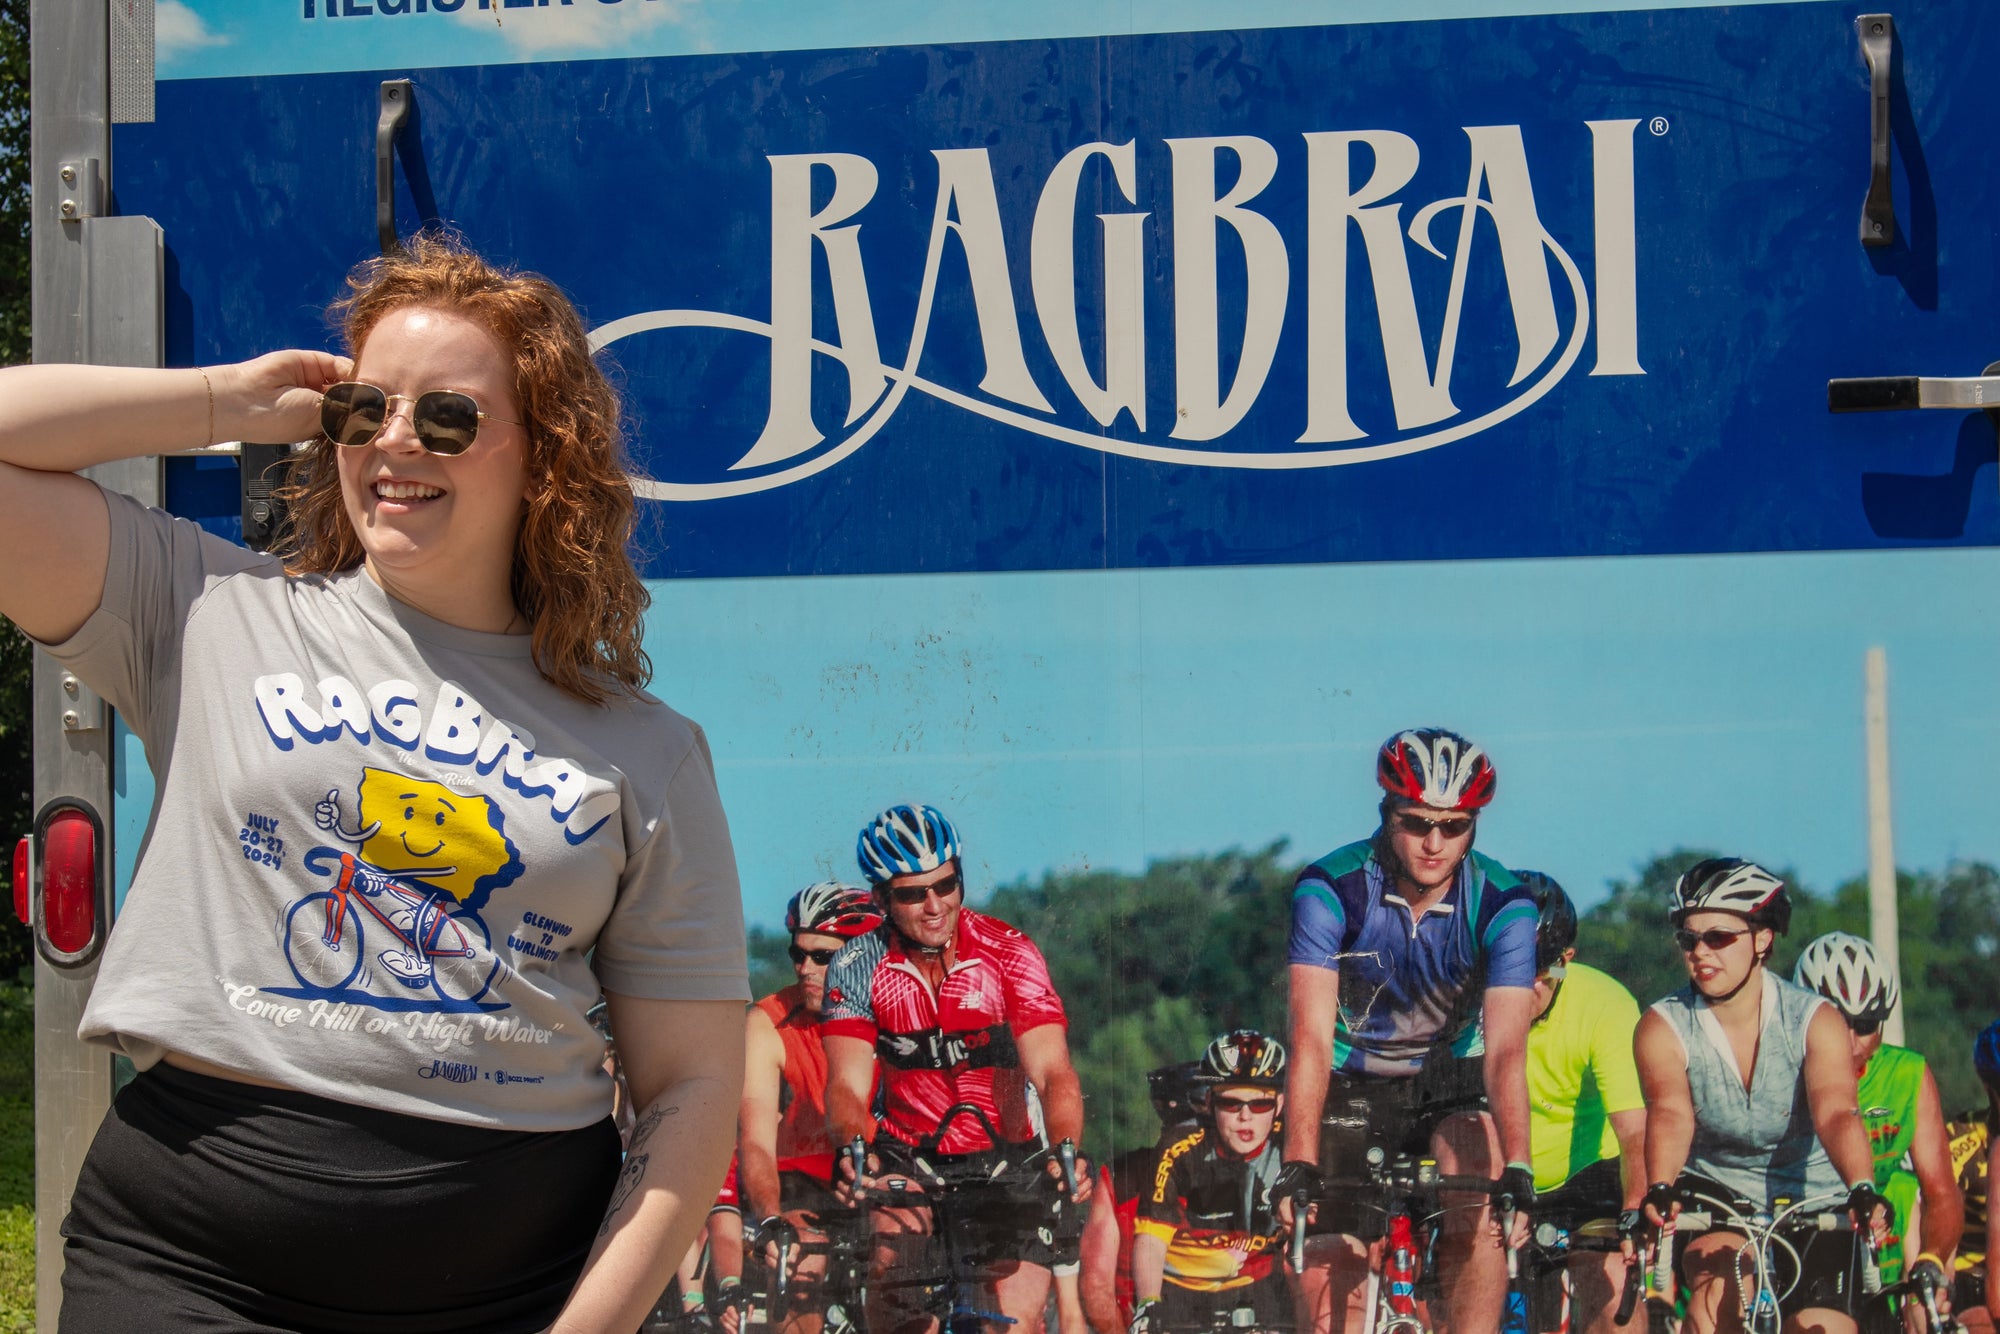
x=354, y=413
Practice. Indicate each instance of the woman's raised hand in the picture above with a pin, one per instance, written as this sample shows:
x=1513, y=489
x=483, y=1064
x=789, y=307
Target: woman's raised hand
x=274, y=399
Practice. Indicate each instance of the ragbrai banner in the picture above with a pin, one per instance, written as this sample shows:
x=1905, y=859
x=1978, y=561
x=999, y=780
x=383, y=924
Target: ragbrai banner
x=206, y=39
x=1534, y=286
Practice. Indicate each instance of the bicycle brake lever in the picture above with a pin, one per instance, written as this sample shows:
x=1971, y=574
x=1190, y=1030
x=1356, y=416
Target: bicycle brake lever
x=857, y=1157
x=1066, y=1155
x=1300, y=1199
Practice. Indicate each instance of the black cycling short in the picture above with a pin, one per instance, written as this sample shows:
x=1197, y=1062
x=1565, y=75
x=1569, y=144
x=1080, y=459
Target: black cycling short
x=1003, y=1212
x=1592, y=1195
x=210, y=1204
x=1396, y=1115
x=1193, y=1309
x=1829, y=1265
x=1968, y=1288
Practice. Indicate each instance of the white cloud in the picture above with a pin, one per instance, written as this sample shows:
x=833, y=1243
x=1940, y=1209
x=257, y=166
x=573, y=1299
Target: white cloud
x=178, y=30
x=586, y=27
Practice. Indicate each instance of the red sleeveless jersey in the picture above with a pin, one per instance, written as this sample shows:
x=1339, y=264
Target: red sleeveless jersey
x=803, y=1144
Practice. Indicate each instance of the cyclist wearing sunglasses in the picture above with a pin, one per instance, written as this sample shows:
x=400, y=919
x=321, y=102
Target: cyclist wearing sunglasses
x=1405, y=949
x=1207, y=1235
x=785, y=1153
x=452, y=630
x=954, y=1007
x=1750, y=1093
x=1899, y=1104
x=1588, y=1118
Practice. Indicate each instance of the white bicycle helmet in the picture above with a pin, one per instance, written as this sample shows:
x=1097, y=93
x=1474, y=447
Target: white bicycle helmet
x=905, y=840
x=1844, y=969
x=1732, y=885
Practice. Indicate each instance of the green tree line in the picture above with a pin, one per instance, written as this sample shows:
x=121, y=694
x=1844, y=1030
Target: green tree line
x=1151, y=966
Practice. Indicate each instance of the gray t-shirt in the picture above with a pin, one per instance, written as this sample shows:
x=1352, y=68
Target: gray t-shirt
x=381, y=846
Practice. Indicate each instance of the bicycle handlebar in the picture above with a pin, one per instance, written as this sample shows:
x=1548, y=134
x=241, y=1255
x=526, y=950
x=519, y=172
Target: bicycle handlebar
x=934, y=1142
x=1628, y=1295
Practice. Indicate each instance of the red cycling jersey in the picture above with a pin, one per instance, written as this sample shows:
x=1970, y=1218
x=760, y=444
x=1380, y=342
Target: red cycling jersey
x=803, y=1144
x=953, y=1045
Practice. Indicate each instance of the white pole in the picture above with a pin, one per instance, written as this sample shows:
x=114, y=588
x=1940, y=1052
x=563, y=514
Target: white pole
x=1881, y=835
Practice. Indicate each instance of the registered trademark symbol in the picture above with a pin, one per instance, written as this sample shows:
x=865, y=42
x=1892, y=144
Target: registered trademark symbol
x=1658, y=125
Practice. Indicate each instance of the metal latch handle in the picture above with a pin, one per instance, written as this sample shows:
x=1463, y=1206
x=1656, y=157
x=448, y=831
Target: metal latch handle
x=1890, y=393
x=1878, y=50
x=399, y=100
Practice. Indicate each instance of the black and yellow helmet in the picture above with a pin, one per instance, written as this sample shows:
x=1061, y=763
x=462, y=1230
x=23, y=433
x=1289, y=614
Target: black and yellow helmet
x=1244, y=1056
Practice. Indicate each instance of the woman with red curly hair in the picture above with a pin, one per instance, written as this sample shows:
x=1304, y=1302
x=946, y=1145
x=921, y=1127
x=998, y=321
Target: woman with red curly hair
x=415, y=813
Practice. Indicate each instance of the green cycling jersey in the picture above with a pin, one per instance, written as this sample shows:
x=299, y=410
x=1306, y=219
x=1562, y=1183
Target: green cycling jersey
x=1888, y=1090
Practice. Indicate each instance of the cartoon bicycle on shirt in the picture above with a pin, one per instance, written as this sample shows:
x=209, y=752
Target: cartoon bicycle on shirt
x=425, y=856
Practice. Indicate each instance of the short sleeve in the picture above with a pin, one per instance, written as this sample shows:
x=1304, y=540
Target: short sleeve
x=1032, y=1001
x=1615, y=1018
x=157, y=568
x=676, y=931
x=849, y=1008
x=1319, y=923
x=1507, y=929
x=1163, y=1191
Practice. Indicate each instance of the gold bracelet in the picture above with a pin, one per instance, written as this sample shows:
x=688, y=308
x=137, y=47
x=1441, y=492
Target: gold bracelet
x=211, y=406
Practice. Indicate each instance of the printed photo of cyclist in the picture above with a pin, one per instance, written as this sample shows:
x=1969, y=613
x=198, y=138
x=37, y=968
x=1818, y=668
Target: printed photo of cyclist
x=1587, y=1122
x=785, y=1152
x=1207, y=1241
x=1752, y=1116
x=1409, y=952
x=968, y=1205
x=1900, y=1106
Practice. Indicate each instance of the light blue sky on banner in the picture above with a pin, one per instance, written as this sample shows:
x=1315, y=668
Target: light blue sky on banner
x=222, y=38
x=1110, y=718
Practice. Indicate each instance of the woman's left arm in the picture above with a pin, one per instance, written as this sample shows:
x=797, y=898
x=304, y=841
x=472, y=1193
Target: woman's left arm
x=684, y=1065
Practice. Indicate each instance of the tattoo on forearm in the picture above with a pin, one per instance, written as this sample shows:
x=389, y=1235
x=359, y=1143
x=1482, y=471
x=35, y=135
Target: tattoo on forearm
x=629, y=1178
x=647, y=1125
x=636, y=1159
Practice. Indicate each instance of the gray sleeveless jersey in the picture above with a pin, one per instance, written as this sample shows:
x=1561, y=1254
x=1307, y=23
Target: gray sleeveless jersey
x=1758, y=1142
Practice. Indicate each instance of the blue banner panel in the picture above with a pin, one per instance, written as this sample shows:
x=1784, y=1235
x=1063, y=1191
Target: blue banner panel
x=1567, y=285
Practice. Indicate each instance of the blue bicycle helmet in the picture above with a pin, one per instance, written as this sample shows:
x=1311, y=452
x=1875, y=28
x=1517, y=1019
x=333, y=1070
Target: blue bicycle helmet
x=905, y=840
x=1986, y=1058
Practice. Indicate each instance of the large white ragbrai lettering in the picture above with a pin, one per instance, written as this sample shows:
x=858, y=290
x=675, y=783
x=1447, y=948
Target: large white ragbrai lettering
x=458, y=732
x=1205, y=218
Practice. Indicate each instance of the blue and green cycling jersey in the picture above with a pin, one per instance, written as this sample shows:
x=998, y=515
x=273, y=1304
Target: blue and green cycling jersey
x=1406, y=982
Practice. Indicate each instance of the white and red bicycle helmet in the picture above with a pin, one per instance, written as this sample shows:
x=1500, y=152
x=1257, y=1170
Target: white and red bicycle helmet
x=1432, y=767
x=830, y=908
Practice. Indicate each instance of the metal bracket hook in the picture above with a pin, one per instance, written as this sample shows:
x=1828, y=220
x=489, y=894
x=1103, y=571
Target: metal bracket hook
x=399, y=103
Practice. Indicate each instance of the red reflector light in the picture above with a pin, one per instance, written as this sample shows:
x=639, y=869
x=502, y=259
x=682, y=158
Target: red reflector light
x=21, y=879
x=69, y=880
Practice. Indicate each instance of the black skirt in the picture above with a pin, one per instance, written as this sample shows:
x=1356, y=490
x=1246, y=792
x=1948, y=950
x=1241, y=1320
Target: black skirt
x=205, y=1204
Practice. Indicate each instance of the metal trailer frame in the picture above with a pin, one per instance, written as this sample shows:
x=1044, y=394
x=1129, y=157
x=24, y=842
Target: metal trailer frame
x=97, y=297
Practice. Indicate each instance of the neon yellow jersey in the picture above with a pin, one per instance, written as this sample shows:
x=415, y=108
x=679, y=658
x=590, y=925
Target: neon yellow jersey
x=1580, y=1071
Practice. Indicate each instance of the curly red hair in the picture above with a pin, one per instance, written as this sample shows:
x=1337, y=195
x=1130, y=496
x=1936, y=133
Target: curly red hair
x=573, y=575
